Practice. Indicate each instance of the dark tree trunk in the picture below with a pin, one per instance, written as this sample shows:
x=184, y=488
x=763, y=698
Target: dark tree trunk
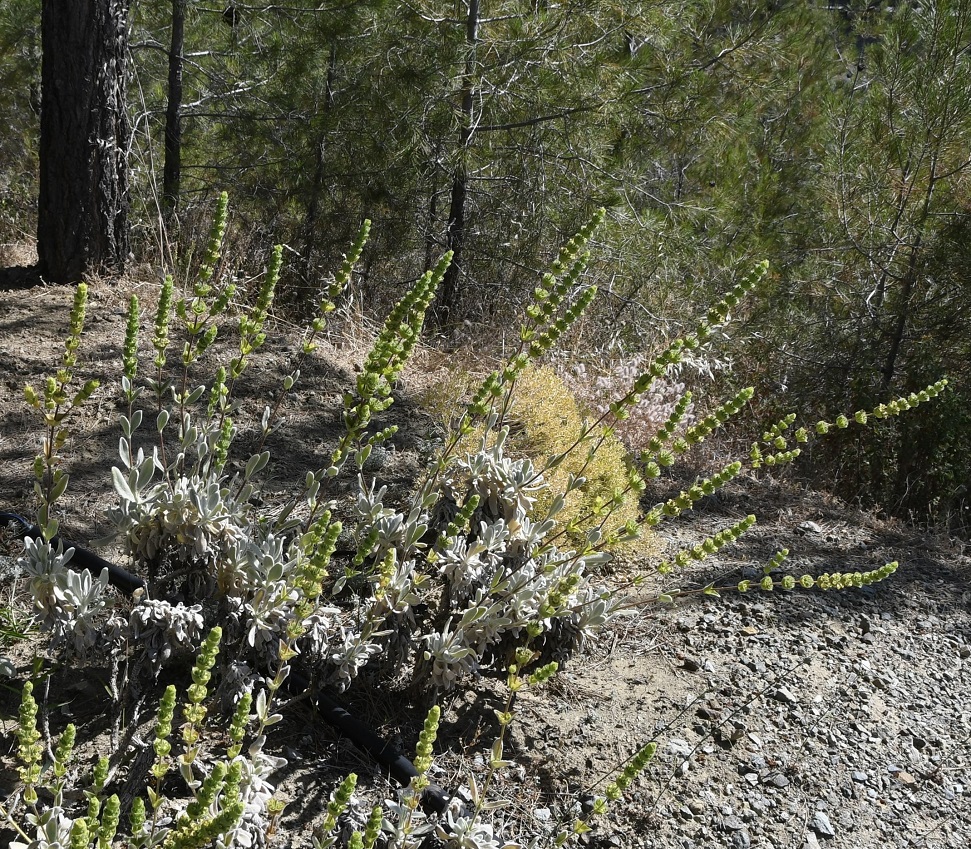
x=430, y=241
x=454, y=242
x=455, y=231
x=317, y=187
x=82, y=225
x=900, y=322
x=172, y=170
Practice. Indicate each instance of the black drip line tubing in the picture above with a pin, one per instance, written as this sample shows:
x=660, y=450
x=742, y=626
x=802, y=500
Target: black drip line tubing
x=433, y=799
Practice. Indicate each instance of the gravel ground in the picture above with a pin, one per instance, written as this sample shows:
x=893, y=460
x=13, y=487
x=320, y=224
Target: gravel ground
x=797, y=719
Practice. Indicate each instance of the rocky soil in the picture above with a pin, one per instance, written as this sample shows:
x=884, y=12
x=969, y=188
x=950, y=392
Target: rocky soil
x=784, y=720
x=787, y=720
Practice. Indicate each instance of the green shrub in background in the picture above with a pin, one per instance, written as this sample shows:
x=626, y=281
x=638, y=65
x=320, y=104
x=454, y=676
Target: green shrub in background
x=489, y=568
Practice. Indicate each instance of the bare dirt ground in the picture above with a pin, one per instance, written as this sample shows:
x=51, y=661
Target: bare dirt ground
x=782, y=720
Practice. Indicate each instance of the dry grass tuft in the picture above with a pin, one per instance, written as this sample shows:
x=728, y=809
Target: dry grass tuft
x=21, y=253
x=546, y=420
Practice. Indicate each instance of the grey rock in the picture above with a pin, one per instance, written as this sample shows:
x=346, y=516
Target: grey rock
x=377, y=459
x=733, y=823
x=822, y=826
x=678, y=746
x=741, y=839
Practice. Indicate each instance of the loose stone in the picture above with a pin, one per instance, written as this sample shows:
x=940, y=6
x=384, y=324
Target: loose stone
x=822, y=826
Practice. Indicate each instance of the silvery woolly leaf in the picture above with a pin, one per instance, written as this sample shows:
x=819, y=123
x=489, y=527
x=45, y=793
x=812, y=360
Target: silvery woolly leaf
x=185, y=768
x=190, y=437
x=121, y=485
x=361, y=457
x=599, y=558
x=245, y=494
x=256, y=747
x=415, y=533
x=195, y=395
x=495, y=804
x=255, y=464
x=144, y=471
x=64, y=555
x=124, y=448
x=60, y=484
x=260, y=706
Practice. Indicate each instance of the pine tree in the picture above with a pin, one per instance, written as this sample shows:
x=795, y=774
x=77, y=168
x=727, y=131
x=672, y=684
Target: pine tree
x=82, y=225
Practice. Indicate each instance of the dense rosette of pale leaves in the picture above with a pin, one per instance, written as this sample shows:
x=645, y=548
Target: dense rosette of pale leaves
x=494, y=585
x=69, y=602
x=159, y=627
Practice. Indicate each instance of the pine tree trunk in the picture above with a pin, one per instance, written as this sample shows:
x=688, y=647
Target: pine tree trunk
x=455, y=232
x=82, y=225
x=172, y=170
x=431, y=243
x=317, y=186
x=900, y=322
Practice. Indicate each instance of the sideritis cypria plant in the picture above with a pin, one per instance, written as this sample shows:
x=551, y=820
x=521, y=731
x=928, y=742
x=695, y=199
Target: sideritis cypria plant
x=486, y=569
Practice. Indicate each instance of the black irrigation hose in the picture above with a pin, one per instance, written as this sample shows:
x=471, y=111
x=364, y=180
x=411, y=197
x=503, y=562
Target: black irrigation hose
x=434, y=799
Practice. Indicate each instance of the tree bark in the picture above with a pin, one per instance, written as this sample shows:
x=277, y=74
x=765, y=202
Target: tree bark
x=82, y=225
x=430, y=241
x=172, y=169
x=317, y=186
x=900, y=322
x=455, y=232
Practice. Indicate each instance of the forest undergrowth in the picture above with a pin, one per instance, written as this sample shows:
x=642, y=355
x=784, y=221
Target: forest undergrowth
x=356, y=547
